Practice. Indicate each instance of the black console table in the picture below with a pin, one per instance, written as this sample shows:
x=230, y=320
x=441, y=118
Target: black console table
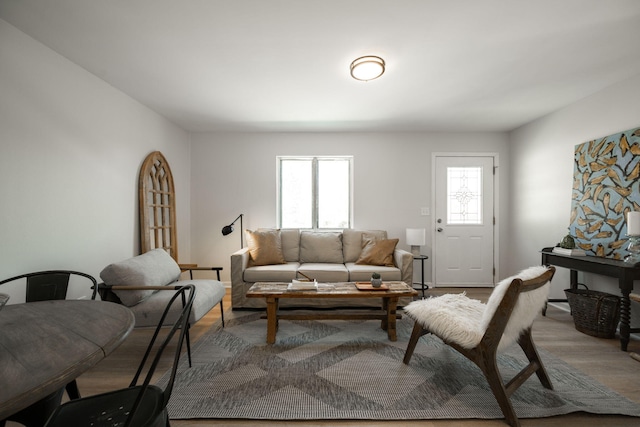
x=625, y=273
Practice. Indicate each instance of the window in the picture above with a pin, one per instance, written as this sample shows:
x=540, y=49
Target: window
x=315, y=192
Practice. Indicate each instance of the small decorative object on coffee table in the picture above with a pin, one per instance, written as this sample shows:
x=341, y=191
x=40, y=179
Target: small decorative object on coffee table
x=376, y=281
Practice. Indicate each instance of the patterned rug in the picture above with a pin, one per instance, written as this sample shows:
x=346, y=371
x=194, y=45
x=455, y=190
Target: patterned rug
x=350, y=370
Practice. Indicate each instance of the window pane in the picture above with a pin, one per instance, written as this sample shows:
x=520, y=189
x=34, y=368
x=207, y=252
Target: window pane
x=464, y=195
x=333, y=193
x=296, y=193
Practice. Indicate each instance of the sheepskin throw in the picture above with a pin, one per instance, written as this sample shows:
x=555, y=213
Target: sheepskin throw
x=463, y=320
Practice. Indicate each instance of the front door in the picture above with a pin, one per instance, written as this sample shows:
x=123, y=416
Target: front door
x=463, y=247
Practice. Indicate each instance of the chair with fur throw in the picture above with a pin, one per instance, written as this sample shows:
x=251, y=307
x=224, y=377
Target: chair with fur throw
x=478, y=331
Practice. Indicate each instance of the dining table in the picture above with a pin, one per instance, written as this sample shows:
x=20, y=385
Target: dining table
x=44, y=345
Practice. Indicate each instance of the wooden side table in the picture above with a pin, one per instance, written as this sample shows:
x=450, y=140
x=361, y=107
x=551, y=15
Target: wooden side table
x=423, y=285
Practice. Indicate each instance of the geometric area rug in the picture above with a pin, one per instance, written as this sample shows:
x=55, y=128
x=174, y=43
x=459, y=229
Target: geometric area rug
x=336, y=369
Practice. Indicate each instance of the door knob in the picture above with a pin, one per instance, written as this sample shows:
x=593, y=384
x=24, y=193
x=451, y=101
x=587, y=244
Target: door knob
x=439, y=229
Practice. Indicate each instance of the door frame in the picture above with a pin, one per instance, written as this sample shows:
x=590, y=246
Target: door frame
x=496, y=205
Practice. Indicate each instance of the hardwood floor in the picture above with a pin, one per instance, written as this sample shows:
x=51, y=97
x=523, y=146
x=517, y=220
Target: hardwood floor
x=602, y=359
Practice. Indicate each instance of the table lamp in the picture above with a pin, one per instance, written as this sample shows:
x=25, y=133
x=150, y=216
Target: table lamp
x=633, y=231
x=416, y=237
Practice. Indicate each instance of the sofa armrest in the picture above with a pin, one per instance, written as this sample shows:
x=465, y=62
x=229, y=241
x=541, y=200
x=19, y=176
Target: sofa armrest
x=404, y=261
x=194, y=267
x=239, y=262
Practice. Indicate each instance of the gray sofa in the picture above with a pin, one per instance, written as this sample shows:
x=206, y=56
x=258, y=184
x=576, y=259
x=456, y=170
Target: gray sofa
x=349, y=255
x=155, y=268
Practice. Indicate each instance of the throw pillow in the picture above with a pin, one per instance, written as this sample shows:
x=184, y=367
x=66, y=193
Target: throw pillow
x=352, y=242
x=265, y=247
x=323, y=246
x=378, y=252
x=154, y=268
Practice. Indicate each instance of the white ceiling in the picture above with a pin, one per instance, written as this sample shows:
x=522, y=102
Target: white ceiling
x=283, y=65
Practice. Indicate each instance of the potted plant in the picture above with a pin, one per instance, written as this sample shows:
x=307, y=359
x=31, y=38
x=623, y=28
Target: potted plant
x=376, y=280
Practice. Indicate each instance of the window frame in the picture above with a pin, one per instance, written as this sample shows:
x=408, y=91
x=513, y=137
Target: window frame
x=315, y=182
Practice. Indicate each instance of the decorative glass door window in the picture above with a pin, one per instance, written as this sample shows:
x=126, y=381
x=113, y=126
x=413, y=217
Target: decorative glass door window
x=464, y=195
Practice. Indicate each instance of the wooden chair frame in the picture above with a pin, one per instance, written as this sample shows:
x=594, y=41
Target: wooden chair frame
x=485, y=353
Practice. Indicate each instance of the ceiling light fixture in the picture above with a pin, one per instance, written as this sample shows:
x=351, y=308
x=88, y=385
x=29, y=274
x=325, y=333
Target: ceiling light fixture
x=367, y=68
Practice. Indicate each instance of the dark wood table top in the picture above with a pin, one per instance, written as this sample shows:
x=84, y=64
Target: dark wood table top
x=329, y=290
x=44, y=345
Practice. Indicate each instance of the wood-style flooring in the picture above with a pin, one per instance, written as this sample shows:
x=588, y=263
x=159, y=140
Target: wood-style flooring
x=602, y=359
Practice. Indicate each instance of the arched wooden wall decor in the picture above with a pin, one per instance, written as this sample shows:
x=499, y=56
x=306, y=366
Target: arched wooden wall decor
x=157, y=206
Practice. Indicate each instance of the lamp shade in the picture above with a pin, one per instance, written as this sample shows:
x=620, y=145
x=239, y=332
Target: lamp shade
x=633, y=223
x=415, y=239
x=228, y=229
x=416, y=236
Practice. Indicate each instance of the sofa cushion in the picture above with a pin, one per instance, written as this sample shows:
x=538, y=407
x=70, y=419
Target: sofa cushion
x=378, y=252
x=209, y=293
x=271, y=273
x=265, y=247
x=321, y=247
x=290, y=244
x=325, y=272
x=352, y=242
x=154, y=268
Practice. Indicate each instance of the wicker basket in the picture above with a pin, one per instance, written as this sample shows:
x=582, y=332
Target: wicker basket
x=594, y=313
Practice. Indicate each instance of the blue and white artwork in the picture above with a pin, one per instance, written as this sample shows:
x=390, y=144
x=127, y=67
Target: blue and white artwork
x=606, y=185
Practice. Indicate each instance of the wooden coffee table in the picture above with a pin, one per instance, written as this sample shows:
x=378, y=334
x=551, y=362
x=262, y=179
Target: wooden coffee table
x=273, y=292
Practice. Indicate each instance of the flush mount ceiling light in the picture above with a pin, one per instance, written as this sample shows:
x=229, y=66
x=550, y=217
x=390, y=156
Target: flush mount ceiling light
x=367, y=68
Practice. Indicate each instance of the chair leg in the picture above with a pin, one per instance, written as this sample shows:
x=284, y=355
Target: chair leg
x=72, y=390
x=188, y=341
x=411, y=346
x=526, y=343
x=222, y=313
x=492, y=374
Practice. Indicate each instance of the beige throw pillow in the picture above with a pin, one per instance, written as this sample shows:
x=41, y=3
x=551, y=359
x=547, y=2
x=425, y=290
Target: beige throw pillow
x=378, y=252
x=321, y=246
x=265, y=247
x=154, y=268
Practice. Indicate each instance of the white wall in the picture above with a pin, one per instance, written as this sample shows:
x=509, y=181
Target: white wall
x=70, y=150
x=542, y=172
x=236, y=173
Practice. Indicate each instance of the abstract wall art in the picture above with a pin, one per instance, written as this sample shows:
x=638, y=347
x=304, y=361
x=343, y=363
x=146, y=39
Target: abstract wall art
x=606, y=185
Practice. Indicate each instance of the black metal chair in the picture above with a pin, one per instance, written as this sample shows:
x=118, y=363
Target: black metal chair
x=44, y=286
x=139, y=405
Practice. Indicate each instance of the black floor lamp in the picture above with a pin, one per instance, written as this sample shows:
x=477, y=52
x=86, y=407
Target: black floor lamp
x=228, y=229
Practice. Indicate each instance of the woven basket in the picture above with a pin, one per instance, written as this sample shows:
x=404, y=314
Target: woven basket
x=594, y=313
